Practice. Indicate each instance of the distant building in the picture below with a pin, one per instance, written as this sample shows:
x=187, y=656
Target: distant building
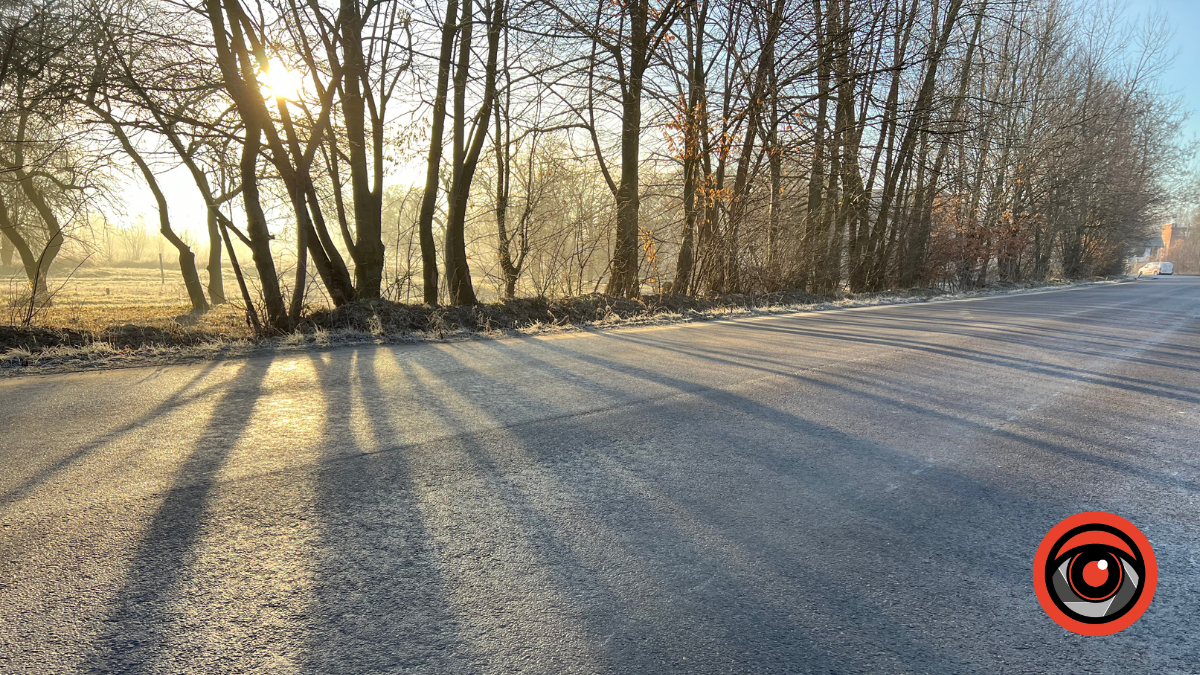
x=1157, y=247
x=1172, y=235
x=1150, y=248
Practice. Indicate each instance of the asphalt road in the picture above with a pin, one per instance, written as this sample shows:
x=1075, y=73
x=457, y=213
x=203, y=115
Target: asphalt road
x=851, y=491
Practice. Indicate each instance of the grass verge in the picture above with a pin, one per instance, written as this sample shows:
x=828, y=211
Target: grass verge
x=137, y=336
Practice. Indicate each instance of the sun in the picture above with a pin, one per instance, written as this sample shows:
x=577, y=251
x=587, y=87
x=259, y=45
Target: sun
x=276, y=80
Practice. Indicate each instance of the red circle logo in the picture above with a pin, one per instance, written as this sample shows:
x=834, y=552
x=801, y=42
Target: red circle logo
x=1094, y=573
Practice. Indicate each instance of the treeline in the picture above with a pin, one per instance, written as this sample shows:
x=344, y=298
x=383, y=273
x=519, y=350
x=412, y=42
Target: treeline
x=564, y=146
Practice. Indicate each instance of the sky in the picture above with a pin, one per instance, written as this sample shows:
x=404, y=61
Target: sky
x=1182, y=78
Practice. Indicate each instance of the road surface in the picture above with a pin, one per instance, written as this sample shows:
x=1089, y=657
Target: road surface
x=841, y=492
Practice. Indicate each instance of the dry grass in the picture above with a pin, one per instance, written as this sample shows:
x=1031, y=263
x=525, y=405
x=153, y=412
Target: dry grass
x=110, y=301
x=110, y=317
x=224, y=320
x=122, y=286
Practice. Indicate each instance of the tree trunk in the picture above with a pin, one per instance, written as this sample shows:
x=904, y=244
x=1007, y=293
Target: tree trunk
x=260, y=236
x=466, y=155
x=813, y=240
x=624, y=279
x=694, y=123
x=868, y=241
x=368, y=203
x=437, y=125
x=889, y=206
x=41, y=260
x=502, y=141
x=919, y=238
x=741, y=182
x=216, y=284
x=187, y=259
x=29, y=259
x=6, y=251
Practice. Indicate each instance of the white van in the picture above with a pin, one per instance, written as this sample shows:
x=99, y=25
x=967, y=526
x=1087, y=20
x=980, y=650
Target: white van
x=1157, y=268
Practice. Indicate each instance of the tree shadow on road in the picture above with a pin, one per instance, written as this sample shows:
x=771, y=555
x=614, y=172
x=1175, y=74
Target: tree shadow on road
x=141, y=619
x=655, y=597
x=379, y=597
x=180, y=397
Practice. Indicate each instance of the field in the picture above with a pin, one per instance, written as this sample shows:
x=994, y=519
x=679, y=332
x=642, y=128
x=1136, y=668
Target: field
x=108, y=300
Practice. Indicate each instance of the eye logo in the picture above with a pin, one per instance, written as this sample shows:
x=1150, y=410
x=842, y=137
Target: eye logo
x=1094, y=573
